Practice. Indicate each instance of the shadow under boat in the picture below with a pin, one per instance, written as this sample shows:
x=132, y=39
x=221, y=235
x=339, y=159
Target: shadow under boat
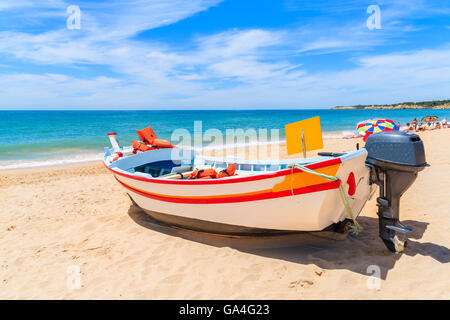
x=326, y=249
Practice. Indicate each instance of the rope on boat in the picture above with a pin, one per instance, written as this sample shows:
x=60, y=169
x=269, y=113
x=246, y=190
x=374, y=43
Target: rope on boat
x=357, y=227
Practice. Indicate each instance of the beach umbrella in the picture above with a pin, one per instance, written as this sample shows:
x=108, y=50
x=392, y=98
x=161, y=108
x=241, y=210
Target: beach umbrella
x=429, y=118
x=362, y=126
x=368, y=127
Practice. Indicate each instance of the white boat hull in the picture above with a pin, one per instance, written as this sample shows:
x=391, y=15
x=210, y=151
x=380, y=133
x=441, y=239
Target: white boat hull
x=287, y=200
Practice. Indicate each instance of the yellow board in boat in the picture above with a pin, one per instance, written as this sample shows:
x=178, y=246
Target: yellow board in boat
x=312, y=134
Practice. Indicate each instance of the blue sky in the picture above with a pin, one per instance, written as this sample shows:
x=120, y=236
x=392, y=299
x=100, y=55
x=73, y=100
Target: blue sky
x=212, y=54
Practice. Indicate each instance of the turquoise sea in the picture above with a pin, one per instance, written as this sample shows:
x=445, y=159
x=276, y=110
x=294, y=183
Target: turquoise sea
x=34, y=138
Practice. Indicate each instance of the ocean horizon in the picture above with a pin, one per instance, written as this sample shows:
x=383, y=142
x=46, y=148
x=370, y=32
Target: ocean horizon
x=31, y=138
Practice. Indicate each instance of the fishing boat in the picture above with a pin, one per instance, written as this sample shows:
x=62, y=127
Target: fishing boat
x=178, y=187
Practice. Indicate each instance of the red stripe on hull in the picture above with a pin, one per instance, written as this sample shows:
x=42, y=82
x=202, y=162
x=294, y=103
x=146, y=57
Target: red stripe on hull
x=262, y=196
x=312, y=166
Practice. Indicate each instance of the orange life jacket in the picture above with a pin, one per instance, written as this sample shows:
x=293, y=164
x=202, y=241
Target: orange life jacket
x=203, y=174
x=212, y=174
x=147, y=135
x=161, y=143
x=228, y=172
x=137, y=145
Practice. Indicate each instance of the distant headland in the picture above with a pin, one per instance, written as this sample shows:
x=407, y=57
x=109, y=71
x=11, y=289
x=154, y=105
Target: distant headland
x=434, y=104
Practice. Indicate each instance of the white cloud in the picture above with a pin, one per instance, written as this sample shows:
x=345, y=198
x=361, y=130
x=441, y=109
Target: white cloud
x=377, y=79
x=237, y=42
x=235, y=68
x=14, y=4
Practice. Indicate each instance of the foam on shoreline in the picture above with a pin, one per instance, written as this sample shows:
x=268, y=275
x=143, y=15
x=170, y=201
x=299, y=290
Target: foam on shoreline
x=49, y=162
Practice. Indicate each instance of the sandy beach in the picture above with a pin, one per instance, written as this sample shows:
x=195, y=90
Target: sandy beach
x=59, y=219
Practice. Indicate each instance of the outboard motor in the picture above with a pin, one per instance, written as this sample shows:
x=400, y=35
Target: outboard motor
x=395, y=158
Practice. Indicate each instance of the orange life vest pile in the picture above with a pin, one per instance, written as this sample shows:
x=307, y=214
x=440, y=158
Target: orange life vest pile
x=212, y=174
x=149, y=141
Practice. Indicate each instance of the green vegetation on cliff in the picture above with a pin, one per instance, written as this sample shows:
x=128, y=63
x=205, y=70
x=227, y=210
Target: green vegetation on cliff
x=434, y=104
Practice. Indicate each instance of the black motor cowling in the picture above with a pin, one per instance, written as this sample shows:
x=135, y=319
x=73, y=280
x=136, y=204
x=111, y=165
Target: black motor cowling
x=395, y=158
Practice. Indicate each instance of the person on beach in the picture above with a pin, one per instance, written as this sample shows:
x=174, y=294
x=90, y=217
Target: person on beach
x=437, y=125
x=444, y=123
x=414, y=123
x=420, y=126
x=409, y=127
